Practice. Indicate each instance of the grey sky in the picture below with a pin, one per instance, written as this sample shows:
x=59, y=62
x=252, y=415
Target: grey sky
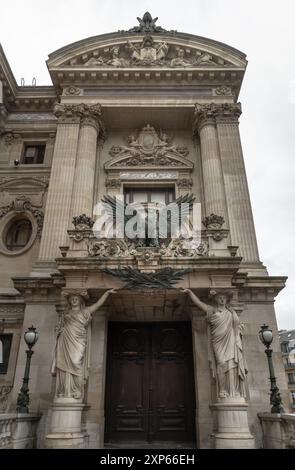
x=264, y=30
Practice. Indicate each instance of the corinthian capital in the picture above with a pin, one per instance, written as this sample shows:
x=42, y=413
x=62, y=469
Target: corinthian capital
x=91, y=115
x=85, y=114
x=211, y=113
x=70, y=113
x=228, y=112
x=205, y=114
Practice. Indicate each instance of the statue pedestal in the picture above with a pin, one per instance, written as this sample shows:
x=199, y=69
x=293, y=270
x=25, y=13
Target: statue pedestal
x=233, y=429
x=66, y=425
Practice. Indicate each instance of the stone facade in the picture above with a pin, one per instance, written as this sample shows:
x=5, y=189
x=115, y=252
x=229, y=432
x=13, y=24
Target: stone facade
x=107, y=92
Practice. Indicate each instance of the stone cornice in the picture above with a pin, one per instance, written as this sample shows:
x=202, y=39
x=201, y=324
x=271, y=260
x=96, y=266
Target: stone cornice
x=213, y=113
x=39, y=289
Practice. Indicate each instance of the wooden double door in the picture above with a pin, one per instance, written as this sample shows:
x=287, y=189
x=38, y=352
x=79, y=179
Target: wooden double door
x=150, y=392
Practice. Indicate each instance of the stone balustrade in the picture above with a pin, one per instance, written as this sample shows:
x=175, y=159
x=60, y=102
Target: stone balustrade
x=18, y=430
x=278, y=430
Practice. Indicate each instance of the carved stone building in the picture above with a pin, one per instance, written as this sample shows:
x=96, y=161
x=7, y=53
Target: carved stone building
x=152, y=115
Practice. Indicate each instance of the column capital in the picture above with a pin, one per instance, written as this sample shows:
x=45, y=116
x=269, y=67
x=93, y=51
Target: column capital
x=87, y=115
x=205, y=115
x=228, y=112
x=212, y=113
x=91, y=115
x=68, y=113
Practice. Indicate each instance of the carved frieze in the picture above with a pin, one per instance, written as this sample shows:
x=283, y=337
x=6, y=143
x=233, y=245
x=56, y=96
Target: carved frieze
x=149, y=148
x=184, y=248
x=149, y=175
x=125, y=248
x=108, y=248
x=151, y=53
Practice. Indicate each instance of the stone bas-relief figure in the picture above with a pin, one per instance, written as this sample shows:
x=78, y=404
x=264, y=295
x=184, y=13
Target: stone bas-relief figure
x=71, y=358
x=180, y=60
x=225, y=337
x=148, y=53
x=115, y=59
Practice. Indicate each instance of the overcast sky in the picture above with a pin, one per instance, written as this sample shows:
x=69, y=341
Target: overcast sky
x=264, y=30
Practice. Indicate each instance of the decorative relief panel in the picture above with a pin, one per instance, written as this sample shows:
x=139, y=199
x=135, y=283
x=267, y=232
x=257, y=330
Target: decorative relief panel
x=149, y=148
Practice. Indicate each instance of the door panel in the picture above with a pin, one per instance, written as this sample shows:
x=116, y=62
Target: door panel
x=150, y=388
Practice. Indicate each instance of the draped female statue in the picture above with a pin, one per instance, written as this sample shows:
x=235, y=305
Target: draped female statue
x=71, y=354
x=225, y=344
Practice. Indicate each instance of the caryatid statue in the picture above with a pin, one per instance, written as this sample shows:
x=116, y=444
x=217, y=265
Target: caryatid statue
x=225, y=344
x=71, y=354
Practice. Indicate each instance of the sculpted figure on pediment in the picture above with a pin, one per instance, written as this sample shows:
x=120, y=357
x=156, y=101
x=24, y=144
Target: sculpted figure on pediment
x=180, y=60
x=115, y=60
x=148, y=53
x=204, y=59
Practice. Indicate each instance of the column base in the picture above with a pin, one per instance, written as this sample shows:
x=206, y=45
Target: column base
x=233, y=429
x=64, y=440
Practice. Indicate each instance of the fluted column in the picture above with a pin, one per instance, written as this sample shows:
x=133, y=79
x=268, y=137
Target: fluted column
x=82, y=196
x=58, y=202
x=236, y=186
x=213, y=183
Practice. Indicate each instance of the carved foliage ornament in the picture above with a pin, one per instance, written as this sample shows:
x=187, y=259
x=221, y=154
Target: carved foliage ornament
x=119, y=248
x=148, y=147
x=147, y=24
x=213, y=221
x=134, y=279
x=22, y=204
x=83, y=222
x=72, y=90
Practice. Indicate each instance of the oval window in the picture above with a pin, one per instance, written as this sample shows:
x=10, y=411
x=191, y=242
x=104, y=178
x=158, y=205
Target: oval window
x=18, y=234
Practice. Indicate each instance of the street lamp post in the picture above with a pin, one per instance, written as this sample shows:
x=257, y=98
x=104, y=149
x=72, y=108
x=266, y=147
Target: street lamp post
x=23, y=399
x=266, y=337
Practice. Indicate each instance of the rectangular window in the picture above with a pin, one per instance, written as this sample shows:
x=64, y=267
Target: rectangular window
x=34, y=154
x=5, y=346
x=291, y=379
x=161, y=195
